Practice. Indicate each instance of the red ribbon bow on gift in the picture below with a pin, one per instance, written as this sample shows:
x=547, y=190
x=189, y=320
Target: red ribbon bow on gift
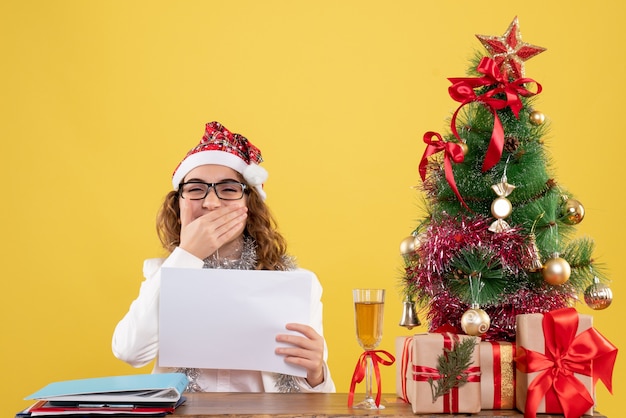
x=588, y=353
x=462, y=90
x=361, y=368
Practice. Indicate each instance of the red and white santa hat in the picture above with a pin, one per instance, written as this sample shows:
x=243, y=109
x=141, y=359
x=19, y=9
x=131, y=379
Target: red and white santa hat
x=220, y=146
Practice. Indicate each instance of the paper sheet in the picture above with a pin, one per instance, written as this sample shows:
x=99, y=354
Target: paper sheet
x=229, y=319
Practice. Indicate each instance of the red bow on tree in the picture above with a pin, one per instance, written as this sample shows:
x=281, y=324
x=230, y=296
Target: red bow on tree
x=462, y=90
x=452, y=152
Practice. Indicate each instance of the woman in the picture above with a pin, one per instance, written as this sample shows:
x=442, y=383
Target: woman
x=216, y=217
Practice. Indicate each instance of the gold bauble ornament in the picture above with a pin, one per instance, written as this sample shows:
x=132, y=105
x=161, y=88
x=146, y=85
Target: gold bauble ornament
x=598, y=296
x=475, y=321
x=501, y=208
x=556, y=271
x=410, y=244
x=537, y=118
x=573, y=212
x=407, y=246
x=464, y=147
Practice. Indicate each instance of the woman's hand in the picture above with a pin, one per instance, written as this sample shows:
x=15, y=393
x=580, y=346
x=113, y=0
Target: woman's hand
x=307, y=351
x=204, y=234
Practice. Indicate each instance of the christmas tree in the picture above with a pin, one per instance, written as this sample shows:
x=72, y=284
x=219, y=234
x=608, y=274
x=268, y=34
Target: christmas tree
x=498, y=238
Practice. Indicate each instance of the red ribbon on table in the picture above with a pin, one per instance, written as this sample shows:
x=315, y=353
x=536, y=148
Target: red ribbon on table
x=425, y=373
x=588, y=353
x=462, y=90
x=452, y=152
x=360, y=370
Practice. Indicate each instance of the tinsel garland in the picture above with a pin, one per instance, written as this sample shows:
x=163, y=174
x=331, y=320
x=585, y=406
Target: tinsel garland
x=429, y=272
x=445, y=237
x=445, y=311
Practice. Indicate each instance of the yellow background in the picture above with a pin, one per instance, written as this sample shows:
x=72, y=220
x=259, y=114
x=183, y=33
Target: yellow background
x=101, y=99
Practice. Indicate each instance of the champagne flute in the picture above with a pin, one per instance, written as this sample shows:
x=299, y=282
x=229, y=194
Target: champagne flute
x=368, y=315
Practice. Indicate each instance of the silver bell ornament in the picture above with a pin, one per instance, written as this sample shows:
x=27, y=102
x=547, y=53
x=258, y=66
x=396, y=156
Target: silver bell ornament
x=409, y=318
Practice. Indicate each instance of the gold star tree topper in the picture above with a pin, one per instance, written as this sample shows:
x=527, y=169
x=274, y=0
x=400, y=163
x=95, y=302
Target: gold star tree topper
x=509, y=51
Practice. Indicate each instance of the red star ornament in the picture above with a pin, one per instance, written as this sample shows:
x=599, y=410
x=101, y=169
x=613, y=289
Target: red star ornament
x=509, y=51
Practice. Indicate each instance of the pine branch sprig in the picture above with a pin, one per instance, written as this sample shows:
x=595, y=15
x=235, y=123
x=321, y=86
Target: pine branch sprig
x=452, y=366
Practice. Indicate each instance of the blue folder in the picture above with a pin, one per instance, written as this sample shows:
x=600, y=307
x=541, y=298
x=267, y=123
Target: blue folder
x=139, y=388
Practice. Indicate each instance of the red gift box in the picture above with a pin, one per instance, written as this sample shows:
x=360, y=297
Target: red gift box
x=497, y=379
x=422, y=372
x=560, y=357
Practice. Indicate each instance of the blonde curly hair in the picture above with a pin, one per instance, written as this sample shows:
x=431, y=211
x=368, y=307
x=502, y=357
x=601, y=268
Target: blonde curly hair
x=260, y=226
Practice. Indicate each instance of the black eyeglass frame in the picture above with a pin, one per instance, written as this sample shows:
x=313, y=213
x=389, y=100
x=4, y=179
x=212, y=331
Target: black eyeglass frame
x=244, y=189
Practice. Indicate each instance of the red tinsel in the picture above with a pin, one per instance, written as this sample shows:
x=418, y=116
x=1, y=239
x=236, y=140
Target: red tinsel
x=443, y=240
x=445, y=312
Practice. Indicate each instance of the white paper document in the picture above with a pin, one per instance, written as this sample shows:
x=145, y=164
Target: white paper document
x=229, y=319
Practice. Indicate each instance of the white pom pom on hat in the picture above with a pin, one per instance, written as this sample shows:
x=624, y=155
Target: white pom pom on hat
x=220, y=146
x=255, y=174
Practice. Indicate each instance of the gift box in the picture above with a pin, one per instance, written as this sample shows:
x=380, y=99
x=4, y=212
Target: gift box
x=426, y=382
x=560, y=357
x=497, y=378
x=403, y=362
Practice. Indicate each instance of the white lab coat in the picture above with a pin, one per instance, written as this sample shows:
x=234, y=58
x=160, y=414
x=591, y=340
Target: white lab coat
x=136, y=336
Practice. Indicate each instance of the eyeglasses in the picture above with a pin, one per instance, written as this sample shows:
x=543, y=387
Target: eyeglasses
x=225, y=190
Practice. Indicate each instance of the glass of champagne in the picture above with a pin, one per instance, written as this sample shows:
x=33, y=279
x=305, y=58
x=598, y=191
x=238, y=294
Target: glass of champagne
x=368, y=315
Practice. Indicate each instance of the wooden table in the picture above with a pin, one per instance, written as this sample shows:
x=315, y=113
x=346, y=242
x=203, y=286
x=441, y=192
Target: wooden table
x=322, y=405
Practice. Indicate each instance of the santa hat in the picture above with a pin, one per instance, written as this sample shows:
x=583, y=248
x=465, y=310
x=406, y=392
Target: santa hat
x=220, y=146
